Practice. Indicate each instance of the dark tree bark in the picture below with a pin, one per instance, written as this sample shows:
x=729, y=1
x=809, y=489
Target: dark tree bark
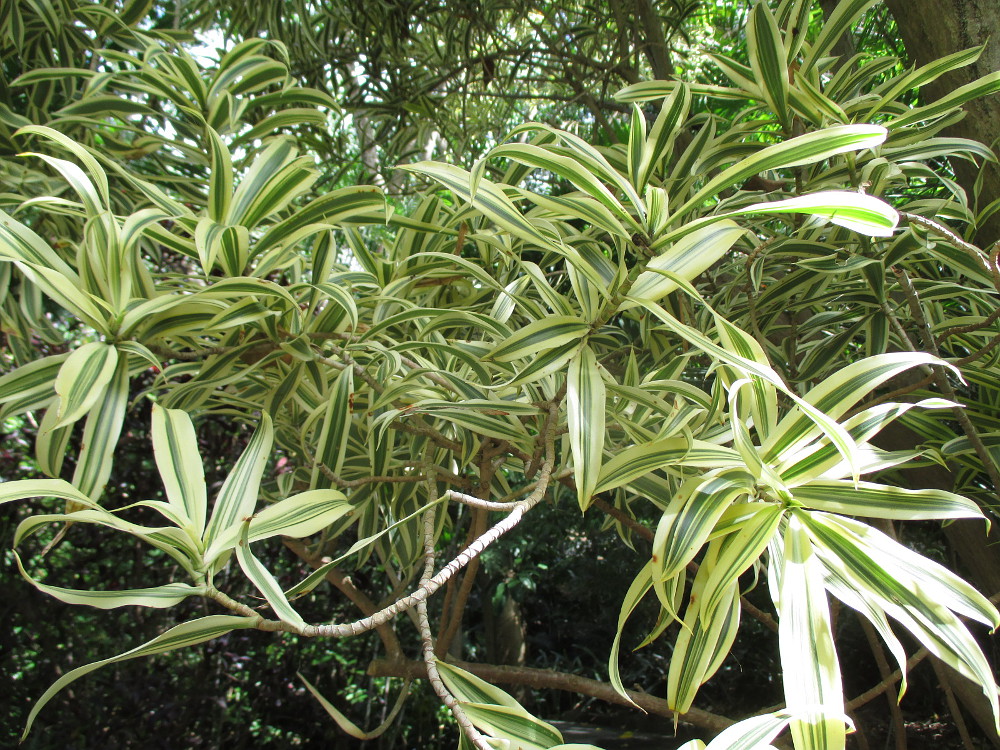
x=931, y=29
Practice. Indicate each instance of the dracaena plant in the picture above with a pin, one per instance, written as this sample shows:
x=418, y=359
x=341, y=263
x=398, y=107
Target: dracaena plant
x=494, y=347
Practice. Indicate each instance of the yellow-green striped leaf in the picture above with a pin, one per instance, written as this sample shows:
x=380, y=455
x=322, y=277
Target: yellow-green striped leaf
x=637, y=590
x=515, y=726
x=100, y=434
x=691, y=516
x=844, y=15
x=175, y=448
x=331, y=209
x=988, y=84
x=766, y=52
x=499, y=427
x=882, y=501
x=490, y=200
x=660, y=141
x=763, y=394
x=589, y=156
x=804, y=149
x=495, y=712
x=568, y=168
x=585, y=411
x=547, y=363
x=220, y=181
x=542, y=335
x=83, y=378
x=265, y=582
x=699, y=644
x=24, y=488
x=754, y=733
x=469, y=688
x=835, y=395
x=638, y=460
x=156, y=597
x=51, y=441
x=331, y=443
x=820, y=460
x=68, y=292
x=300, y=515
x=861, y=213
x=276, y=178
x=228, y=244
x=738, y=553
x=33, y=378
x=925, y=74
x=908, y=566
x=238, y=496
x=349, y=726
x=812, y=684
x=687, y=258
x=187, y=634
x=827, y=426
x=897, y=590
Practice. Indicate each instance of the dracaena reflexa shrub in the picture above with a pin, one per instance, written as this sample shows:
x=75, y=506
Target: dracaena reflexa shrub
x=440, y=371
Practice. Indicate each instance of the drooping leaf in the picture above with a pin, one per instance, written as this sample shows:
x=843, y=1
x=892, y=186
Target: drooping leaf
x=813, y=690
x=180, y=636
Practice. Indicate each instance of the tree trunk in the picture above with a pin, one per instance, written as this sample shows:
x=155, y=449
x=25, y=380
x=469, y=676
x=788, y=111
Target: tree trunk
x=931, y=29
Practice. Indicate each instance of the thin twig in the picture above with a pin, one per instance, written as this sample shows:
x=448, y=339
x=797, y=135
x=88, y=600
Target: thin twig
x=942, y=231
x=898, y=725
x=989, y=320
x=941, y=377
x=476, y=502
x=953, y=707
x=990, y=346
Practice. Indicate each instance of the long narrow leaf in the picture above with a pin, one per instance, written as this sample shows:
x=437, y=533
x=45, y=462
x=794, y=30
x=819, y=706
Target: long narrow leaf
x=585, y=409
x=265, y=582
x=83, y=378
x=181, y=636
x=238, y=496
x=100, y=434
x=813, y=689
x=175, y=448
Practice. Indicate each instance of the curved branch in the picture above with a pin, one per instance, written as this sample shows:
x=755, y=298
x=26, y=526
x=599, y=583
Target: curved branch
x=431, y=585
x=346, y=586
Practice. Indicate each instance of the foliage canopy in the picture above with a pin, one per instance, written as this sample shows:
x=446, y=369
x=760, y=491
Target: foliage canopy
x=694, y=311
